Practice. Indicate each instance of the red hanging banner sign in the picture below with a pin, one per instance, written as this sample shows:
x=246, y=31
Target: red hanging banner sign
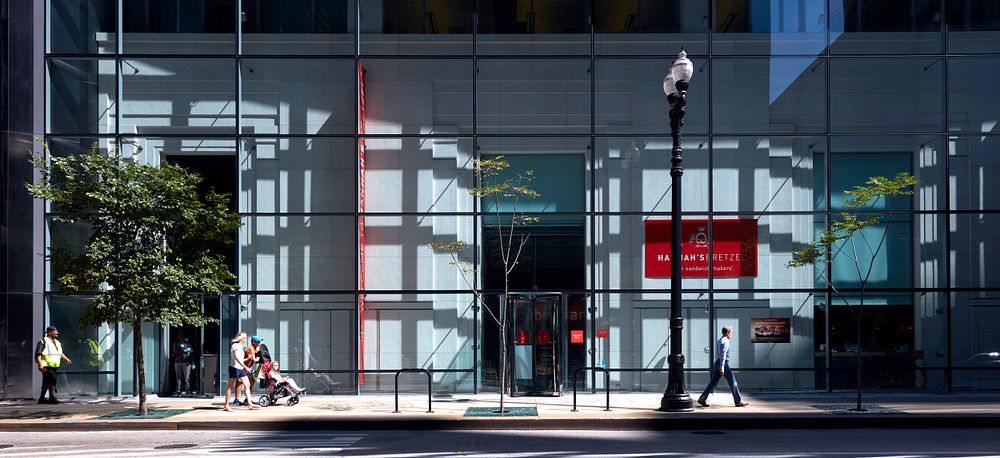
x=734, y=252
x=361, y=224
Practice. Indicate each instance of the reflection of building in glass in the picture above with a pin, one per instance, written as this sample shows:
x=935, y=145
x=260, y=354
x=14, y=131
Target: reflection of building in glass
x=791, y=103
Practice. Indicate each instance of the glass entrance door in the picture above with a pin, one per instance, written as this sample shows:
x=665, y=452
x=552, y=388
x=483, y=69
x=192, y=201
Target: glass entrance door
x=536, y=351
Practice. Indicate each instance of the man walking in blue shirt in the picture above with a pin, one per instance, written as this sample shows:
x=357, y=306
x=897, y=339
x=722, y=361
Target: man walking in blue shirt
x=721, y=368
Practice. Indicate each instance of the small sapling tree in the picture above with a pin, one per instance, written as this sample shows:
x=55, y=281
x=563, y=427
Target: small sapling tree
x=859, y=236
x=504, y=188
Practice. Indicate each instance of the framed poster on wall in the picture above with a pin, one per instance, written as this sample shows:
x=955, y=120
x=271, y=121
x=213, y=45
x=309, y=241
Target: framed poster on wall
x=770, y=330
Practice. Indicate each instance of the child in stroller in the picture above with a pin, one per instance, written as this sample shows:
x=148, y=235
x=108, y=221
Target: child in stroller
x=278, y=386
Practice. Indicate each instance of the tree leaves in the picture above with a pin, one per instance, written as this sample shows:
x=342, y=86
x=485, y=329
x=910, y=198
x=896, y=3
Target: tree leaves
x=497, y=180
x=850, y=223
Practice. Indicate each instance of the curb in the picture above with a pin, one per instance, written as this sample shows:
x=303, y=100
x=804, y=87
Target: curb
x=681, y=423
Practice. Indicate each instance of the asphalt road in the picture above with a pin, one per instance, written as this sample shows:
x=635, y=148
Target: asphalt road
x=411, y=444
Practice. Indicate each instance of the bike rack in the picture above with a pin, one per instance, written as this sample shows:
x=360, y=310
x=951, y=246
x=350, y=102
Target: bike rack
x=607, y=386
x=396, y=387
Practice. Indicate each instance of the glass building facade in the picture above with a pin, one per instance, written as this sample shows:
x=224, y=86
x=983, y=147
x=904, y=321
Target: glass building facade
x=346, y=131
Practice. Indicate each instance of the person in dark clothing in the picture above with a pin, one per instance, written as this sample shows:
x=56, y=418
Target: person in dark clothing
x=181, y=351
x=263, y=355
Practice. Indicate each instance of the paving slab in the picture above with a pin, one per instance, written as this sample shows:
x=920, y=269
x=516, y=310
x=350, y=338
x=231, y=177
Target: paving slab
x=627, y=411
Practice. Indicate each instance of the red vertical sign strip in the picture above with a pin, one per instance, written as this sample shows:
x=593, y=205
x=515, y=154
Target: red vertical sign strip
x=361, y=224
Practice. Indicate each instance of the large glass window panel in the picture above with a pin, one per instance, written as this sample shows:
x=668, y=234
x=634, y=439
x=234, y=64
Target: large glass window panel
x=127, y=378
x=429, y=331
x=624, y=27
x=297, y=96
x=885, y=26
x=735, y=265
x=624, y=262
x=423, y=175
x=762, y=174
x=428, y=27
x=929, y=254
x=156, y=150
x=973, y=25
x=297, y=253
x=283, y=27
x=639, y=338
x=213, y=159
x=553, y=257
x=879, y=256
x=519, y=27
x=770, y=27
x=81, y=96
x=66, y=237
x=397, y=255
x=973, y=102
x=418, y=96
x=81, y=26
x=903, y=251
x=975, y=246
x=890, y=341
x=923, y=363
x=856, y=158
x=777, y=95
x=889, y=94
x=974, y=160
x=297, y=175
x=633, y=174
x=629, y=97
x=91, y=348
x=312, y=336
x=174, y=95
x=771, y=331
x=69, y=146
x=976, y=351
x=179, y=26
x=533, y=96
x=557, y=173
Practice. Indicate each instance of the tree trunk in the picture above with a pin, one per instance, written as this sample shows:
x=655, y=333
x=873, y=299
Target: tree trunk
x=504, y=304
x=860, y=317
x=140, y=367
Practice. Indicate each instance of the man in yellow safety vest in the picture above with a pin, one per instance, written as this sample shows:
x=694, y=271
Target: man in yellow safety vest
x=48, y=355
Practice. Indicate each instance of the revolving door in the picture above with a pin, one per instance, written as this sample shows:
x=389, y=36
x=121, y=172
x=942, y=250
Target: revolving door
x=535, y=337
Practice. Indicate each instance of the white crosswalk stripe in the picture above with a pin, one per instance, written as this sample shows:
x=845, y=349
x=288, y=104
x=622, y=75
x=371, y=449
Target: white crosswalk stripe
x=281, y=443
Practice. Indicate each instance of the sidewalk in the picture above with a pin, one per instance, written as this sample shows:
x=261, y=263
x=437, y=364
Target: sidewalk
x=635, y=411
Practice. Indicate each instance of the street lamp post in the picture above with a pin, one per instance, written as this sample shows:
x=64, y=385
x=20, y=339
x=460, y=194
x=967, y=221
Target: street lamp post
x=676, y=398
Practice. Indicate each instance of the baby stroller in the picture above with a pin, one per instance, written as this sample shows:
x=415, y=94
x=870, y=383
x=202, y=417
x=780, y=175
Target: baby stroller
x=275, y=389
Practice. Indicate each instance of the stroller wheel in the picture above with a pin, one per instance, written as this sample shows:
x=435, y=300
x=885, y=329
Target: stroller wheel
x=264, y=401
x=293, y=400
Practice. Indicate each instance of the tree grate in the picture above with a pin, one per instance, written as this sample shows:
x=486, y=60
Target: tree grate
x=174, y=446
x=495, y=412
x=848, y=409
x=133, y=414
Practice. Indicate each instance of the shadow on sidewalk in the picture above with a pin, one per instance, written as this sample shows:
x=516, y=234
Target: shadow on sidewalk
x=43, y=413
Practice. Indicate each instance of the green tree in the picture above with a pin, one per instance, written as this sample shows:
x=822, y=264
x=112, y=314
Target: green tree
x=501, y=186
x=148, y=256
x=847, y=238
